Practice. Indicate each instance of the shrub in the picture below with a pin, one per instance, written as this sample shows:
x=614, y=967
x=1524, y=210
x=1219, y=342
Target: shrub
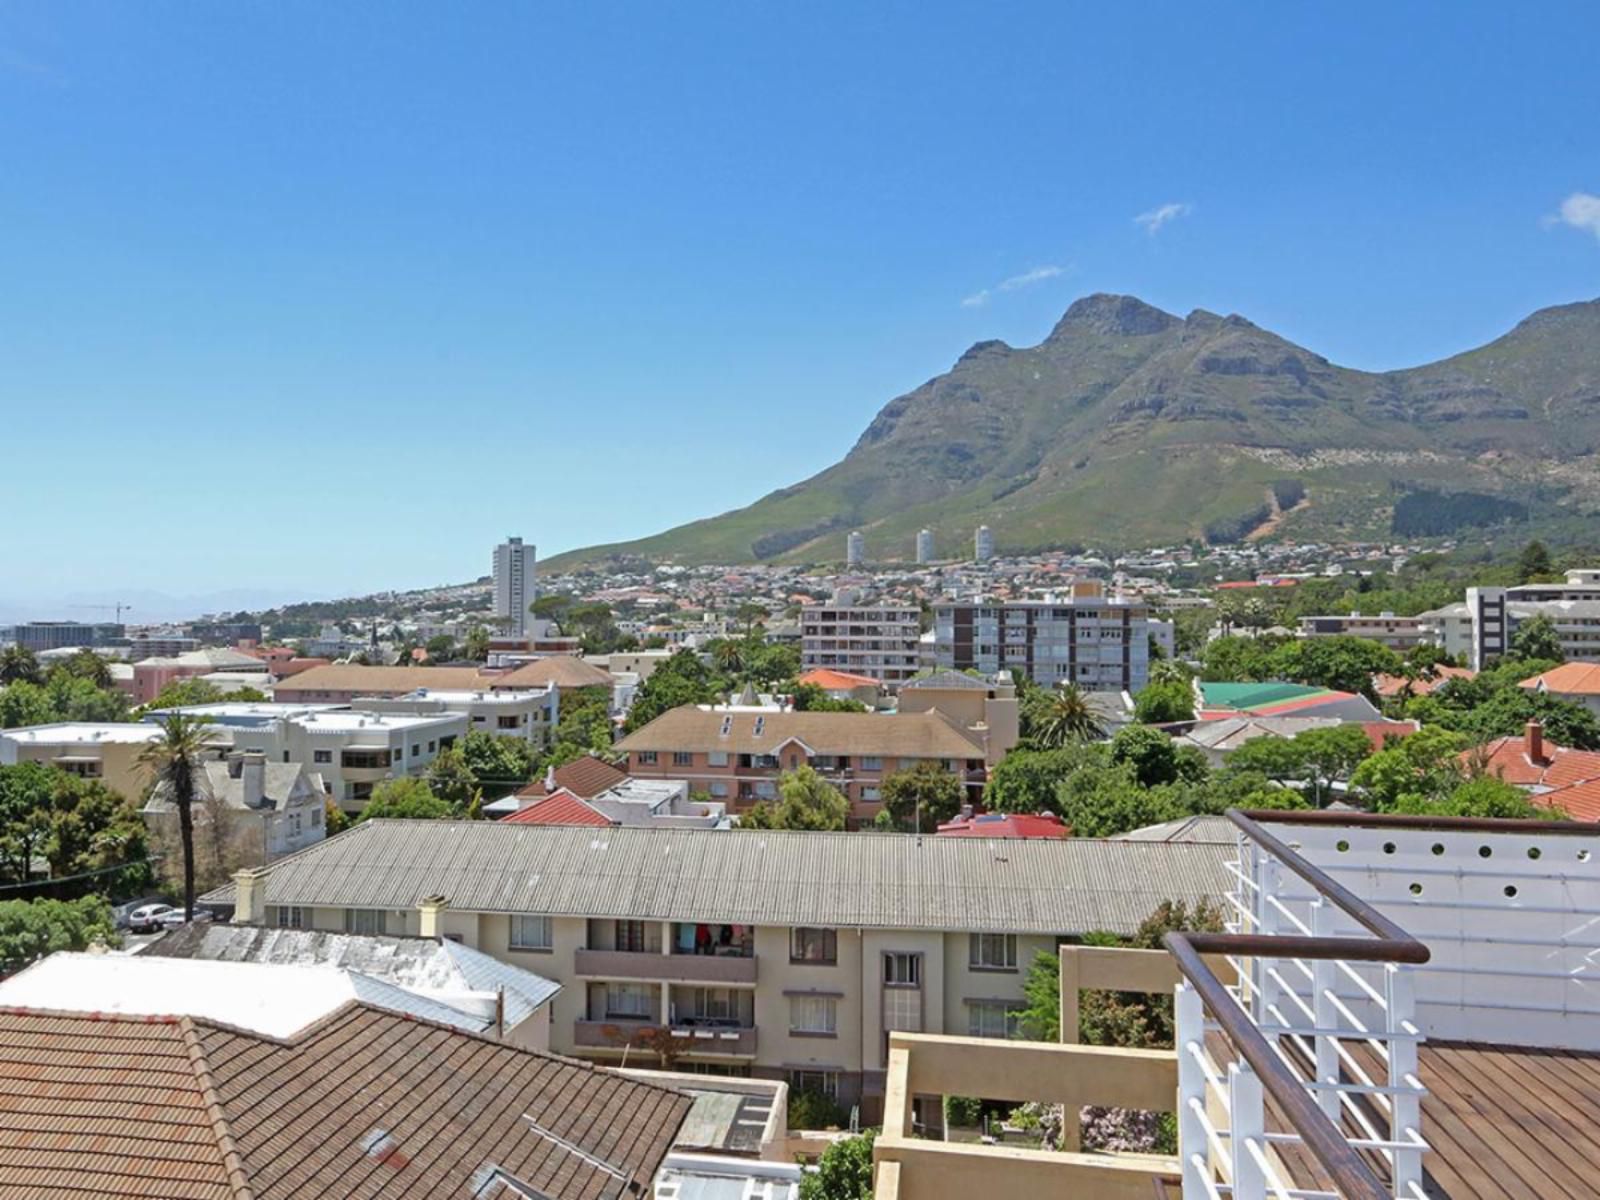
x=811, y=1109
x=963, y=1110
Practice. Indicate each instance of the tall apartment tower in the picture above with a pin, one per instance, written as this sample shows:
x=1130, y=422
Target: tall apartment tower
x=855, y=549
x=983, y=544
x=515, y=583
x=925, y=546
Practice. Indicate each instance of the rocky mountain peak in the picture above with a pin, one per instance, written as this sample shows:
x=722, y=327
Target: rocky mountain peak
x=1116, y=316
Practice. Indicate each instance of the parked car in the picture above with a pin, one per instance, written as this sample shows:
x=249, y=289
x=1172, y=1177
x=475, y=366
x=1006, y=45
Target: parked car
x=173, y=918
x=122, y=912
x=147, y=918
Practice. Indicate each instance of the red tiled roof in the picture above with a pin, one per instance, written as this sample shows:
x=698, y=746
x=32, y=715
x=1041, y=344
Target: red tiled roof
x=586, y=777
x=836, y=681
x=1393, y=685
x=1379, y=732
x=1569, y=679
x=561, y=807
x=1580, y=801
x=1559, y=767
x=1007, y=825
x=362, y=1103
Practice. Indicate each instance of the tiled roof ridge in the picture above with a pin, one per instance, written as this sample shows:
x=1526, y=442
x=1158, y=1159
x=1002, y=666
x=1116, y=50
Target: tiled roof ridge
x=232, y=1160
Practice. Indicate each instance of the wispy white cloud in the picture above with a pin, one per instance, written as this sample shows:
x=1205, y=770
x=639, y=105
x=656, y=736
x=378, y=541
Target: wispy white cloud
x=1154, y=220
x=1026, y=279
x=1581, y=210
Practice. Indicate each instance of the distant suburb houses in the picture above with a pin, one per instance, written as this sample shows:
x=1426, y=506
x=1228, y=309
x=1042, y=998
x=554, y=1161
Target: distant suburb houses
x=779, y=954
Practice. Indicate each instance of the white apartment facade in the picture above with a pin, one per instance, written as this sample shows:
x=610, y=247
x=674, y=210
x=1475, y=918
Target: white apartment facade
x=515, y=583
x=1482, y=626
x=1098, y=642
x=529, y=715
x=875, y=640
x=1399, y=634
x=801, y=973
x=352, y=751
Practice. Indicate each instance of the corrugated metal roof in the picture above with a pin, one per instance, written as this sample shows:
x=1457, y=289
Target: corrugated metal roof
x=867, y=880
x=702, y=730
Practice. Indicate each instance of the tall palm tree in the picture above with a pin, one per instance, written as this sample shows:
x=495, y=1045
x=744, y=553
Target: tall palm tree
x=18, y=664
x=728, y=656
x=172, y=759
x=1065, y=716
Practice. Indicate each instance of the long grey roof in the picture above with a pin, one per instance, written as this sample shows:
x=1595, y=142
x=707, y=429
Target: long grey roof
x=766, y=877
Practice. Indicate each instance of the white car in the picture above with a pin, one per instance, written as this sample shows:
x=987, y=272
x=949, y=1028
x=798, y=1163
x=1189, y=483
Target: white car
x=148, y=918
x=173, y=917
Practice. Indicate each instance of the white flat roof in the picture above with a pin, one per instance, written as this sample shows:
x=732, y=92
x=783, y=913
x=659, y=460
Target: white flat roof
x=271, y=999
x=81, y=733
x=463, y=696
x=348, y=720
x=266, y=710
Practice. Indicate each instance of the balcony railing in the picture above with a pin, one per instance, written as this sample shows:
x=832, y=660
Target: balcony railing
x=639, y=1037
x=1321, y=1023
x=674, y=968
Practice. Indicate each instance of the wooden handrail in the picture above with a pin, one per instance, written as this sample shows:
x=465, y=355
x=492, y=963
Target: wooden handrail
x=1351, y=1175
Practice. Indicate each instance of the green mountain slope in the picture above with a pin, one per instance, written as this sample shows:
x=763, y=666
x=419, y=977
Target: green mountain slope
x=1128, y=426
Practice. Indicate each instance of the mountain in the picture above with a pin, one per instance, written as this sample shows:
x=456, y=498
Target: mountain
x=1129, y=426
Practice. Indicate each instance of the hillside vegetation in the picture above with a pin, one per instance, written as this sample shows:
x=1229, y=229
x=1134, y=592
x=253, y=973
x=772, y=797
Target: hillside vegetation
x=1128, y=426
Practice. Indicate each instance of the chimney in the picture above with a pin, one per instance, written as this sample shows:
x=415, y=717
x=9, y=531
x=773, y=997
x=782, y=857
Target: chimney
x=549, y=780
x=253, y=777
x=1533, y=742
x=249, y=904
x=430, y=916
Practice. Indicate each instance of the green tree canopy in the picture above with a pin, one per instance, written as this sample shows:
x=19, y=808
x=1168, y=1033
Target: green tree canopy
x=682, y=679
x=843, y=1173
x=926, y=789
x=1534, y=562
x=1155, y=758
x=1059, y=716
x=32, y=929
x=1025, y=781
x=1165, y=702
x=18, y=664
x=806, y=801
x=452, y=781
x=1536, y=637
x=498, y=764
x=409, y=798
x=808, y=697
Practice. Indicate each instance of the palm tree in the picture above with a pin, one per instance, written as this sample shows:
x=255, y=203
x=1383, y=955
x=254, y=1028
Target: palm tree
x=18, y=665
x=728, y=656
x=1170, y=670
x=477, y=643
x=86, y=664
x=172, y=759
x=1065, y=716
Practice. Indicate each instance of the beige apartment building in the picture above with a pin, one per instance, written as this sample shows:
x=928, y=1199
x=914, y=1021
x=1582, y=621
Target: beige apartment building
x=739, y=754
x=777, y=954
x=108, y=752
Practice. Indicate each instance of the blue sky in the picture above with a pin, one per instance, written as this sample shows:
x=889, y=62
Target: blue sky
x=311, y=298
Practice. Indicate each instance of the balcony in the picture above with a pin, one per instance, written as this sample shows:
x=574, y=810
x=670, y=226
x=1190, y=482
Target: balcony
x=641, y=1037
x=674, y=968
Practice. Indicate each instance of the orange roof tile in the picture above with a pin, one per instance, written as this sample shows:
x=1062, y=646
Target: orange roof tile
x=1569, y=679
x=836, y=681
x=1580, y=801
x=585, y=777
x=560, y=807
x=1393, y=685
x=1508, y=758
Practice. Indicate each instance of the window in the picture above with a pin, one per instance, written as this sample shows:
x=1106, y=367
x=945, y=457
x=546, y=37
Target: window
x=631, y=1001
x=630, y=936
x=814, y=946
x=647, y=758
x=291, y=917
x=817, y=1015
x=368, y=921
x=416, y=749
x=992, y=1019
x=431, y=746
x=902, y=970
x=825, y=1083
x=322, y=756
x=719, y=790
x=531, y=933
x=871, y=795
x=682, y=758
x=871, y=762
x=717, y=758
x=316, y=818
x=992, y=951
x=509, y=722
x=766, y=790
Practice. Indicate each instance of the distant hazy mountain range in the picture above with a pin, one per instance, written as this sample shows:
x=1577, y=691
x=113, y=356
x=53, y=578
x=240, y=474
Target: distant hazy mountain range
x=1131, y=427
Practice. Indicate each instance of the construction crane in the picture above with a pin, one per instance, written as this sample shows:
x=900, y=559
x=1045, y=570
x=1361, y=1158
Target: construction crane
x=119, y=607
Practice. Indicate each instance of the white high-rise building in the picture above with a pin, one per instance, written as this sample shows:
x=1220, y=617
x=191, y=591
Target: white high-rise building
x=855, y=549
x=925, y=546
x=515, y=583
x=983, y=544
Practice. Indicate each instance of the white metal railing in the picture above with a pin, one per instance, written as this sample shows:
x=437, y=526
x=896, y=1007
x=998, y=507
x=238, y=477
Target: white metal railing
x=1344, y=1029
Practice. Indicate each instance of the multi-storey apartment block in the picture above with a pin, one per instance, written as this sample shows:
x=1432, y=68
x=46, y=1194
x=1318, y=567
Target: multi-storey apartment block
x=738, y=755
x=1481, y=627
x=778, y=954
x=40, y=636
x=878, y=641
x=1398, y=633
x=104, y=751
x=529, y=715
x=1085, y=637
x=352, y=751
x=515, y=583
